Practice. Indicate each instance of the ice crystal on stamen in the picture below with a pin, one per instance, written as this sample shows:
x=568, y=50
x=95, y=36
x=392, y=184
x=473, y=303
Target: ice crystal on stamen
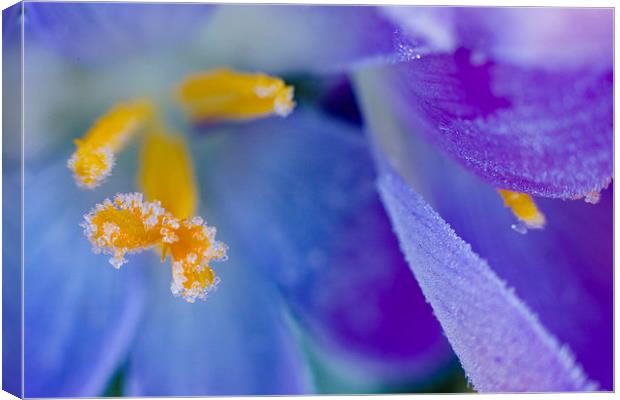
x=519, y=227
x=128, y=225
x=224, y=94
x=265, y=91
x=283, y=103
x=94, y=157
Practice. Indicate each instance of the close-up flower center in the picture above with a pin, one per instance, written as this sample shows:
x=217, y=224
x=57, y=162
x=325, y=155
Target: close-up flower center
x=165, y=220
x=370, y=198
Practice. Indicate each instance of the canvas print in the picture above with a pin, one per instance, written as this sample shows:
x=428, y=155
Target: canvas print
x=254, y=199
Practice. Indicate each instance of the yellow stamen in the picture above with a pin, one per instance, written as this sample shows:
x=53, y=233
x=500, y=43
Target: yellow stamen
x=94, y=155
x=190, y=255
x=524, y=208
x=223, y=94
x=166, y=174
x=130, y=225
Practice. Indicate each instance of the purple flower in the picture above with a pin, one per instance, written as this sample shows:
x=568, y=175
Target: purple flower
x=455, y=104
x=521, y=100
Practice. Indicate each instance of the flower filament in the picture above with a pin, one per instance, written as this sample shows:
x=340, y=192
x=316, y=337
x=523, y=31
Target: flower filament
x=166, y=173
x=161, y=218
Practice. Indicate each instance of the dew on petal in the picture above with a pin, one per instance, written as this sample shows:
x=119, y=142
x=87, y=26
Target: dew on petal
x=519, y=227
x=593, y=197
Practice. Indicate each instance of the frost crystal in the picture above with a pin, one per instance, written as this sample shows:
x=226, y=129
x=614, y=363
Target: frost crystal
x=129, y=225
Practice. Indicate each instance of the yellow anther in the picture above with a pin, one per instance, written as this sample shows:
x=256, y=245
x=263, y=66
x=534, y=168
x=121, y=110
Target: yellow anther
x=94, y=155
x=524, y=208
x=224, y=94
x=128, y=224
x=190, y=255
x=166, y=174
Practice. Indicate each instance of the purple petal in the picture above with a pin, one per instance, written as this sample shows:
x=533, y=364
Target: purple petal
x=236, y=342
x=549, y=38
x=552, y=38
x=300, y=194
x=541, y=130
x=101, y=33
x=80, y=314
x=564, y=272
x=501, y=343
x=293, y=38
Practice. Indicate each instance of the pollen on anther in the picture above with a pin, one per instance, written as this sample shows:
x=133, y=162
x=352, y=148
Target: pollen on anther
x=224, y=94
x=128, y=224
x=524, y=208
x=94, y=157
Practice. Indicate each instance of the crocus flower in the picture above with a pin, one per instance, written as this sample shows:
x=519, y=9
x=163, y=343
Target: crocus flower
x=456, y=104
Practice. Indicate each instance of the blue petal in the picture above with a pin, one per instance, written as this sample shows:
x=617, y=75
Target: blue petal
x=12, y=202
x=293, y=38
x=100, y=33
x=13, y=66
x=80, y=313
x=299, y=193
x=501, y=343
x=11, y=279
x=236, y=342
x=11, y=26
